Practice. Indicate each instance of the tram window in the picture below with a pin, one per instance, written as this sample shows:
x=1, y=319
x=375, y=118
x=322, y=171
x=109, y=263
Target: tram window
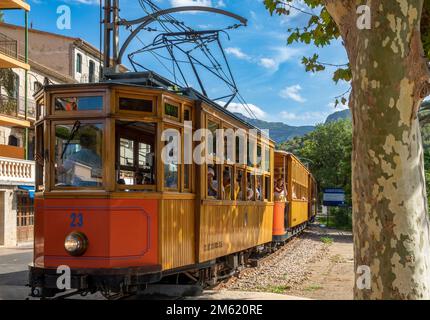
x=171, y=110
x=212, y=181
x=40, y=109
x=212, y=126
x=130, y=104
x=229, y=189
x=171, y=174
x=136, y=152
x=267, y=160
x=79, y=103
x=78, y=155
x=266, y=188
x=258, y=162
x=240, y=181
x=250, y=188
x=259, y=189
x=187, y=114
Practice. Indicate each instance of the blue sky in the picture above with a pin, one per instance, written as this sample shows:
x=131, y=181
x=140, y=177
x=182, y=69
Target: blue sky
x=269, y=74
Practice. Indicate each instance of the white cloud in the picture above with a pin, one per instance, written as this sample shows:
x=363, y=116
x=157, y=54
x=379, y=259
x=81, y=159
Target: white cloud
x=182, y=3
x=90, y=2
x=220, y=4
x=309, y=117
x=293, y=92
x=237, y=52
x=268, y=63
x=281, y=55
x=240, y=108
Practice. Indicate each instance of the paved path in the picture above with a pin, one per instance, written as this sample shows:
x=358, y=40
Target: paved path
x=14, y=273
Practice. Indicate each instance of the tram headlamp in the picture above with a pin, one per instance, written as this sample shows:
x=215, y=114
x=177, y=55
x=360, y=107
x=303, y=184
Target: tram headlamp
x=76, y=244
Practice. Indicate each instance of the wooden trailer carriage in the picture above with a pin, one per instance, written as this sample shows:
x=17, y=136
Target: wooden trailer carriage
x=130, y=210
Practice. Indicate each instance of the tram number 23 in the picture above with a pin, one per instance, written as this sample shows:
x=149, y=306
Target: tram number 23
x=76, y=220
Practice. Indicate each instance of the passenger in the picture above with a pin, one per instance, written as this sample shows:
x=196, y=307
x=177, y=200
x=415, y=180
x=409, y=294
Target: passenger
x=249, y=192
x=258, y=192
x=293, y=192
x=212, y=184
x=138, y=177
x=87, y=158
x=280, y=191
x=121, y=181
x=227, y=188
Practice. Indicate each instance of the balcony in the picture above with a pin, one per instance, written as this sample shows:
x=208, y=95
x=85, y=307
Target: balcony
x=15, y=172
x=12, y=111
x=9, y=57
x=14, y=4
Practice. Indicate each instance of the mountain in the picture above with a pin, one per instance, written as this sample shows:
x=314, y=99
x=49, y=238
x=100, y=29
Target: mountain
x=279, y=131
x=339, y=115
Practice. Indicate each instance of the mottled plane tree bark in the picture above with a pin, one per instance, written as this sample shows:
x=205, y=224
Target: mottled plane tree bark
x=389, y=75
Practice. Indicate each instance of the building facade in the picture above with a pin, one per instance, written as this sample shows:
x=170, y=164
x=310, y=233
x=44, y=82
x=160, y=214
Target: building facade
x=54, y=59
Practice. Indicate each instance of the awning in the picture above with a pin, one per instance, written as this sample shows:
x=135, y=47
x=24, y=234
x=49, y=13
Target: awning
x=30, y=190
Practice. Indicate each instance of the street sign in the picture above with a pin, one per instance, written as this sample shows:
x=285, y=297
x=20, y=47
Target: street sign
x=334, y=197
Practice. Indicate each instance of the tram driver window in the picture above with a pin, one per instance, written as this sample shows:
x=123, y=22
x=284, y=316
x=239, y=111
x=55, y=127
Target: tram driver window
x=78, y=155
x=135, y=164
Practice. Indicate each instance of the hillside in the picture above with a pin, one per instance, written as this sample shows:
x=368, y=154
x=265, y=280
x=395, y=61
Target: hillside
x=344, y=114
x=279, y=131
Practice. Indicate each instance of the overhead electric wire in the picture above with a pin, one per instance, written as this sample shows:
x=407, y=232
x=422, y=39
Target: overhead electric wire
x=202, y=43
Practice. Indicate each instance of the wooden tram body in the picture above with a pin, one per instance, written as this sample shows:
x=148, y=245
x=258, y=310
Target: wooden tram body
x=140, y=234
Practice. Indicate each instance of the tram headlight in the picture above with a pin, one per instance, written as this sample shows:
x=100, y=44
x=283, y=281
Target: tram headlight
x=76, y=244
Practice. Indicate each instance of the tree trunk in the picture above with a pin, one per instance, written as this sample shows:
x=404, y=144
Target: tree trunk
x=390, y=79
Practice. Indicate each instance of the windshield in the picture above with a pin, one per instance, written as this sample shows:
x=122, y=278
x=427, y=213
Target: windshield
x=78, y=155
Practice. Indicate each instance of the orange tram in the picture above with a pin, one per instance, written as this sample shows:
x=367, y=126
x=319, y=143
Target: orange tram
x=119, y=218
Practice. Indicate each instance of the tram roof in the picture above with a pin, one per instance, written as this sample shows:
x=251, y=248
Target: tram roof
x=154, y=81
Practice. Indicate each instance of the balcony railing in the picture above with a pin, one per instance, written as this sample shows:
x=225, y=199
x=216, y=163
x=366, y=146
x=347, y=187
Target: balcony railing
x=8, y=46
x=14, y=171
x=16, y=107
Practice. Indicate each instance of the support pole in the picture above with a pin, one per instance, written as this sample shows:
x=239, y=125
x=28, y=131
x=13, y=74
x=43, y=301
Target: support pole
x=107, y=35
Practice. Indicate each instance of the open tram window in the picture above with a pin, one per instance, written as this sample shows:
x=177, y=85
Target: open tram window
x=259, y=188
x=212, y=181
x=78, y=155
x=250, y=187
x=84, y=103
x=229, y=189
x=240, y=182
x=135, y=165
x=267, y=186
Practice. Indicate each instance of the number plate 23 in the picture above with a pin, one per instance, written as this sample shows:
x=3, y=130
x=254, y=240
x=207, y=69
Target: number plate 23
x=77, y=220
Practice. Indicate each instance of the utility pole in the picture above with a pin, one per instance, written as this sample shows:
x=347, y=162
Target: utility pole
x=111, y=36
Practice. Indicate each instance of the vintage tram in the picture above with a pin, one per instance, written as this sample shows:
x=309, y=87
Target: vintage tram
x=112, y=211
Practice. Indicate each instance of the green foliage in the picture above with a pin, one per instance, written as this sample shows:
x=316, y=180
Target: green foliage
x=8, y=81
x=328, y=149
x=1, y=16
x=326, y=240
x=320, y=30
